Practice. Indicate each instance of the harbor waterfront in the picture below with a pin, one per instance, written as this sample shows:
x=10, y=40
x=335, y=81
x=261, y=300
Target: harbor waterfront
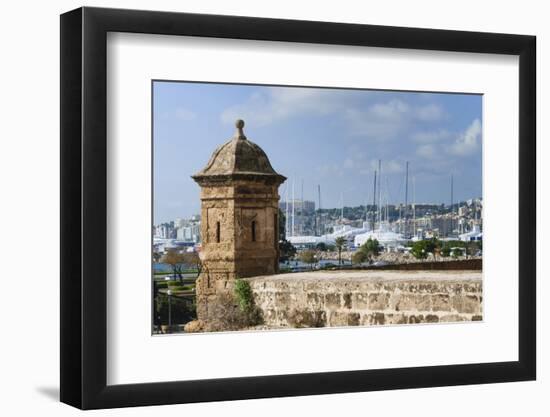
x=349, y=208
x=194, y=277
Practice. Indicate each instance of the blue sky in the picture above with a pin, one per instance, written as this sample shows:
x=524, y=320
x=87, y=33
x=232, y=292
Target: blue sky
x=331, y=137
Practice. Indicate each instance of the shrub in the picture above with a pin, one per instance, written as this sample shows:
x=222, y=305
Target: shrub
x=359, y=257
x=371, y=249
x=183, y=309
x=308, y=257
x=226, y=314
x=286, y=250
x=422, y=248
x=243, y=292
x=457, y=252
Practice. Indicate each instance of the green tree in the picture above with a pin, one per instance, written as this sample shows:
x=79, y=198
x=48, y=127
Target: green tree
x=321, y=246
x=471, y=248
x=308, y=257
x=457, y=252
x=418, y=250
x=446, y=251
x=359, y=257
x=157, y=257
x=371, y=248
x=193, y=260
x=340, y=243
x=422, y=248
x=175, y=260
x=282, y=225
x=286, y=250
x=182, y=309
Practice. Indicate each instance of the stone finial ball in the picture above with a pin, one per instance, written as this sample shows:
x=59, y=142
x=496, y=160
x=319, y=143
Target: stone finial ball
x=239, y=123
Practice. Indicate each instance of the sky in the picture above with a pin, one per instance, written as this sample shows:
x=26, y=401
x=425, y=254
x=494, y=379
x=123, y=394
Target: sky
x=318, y=136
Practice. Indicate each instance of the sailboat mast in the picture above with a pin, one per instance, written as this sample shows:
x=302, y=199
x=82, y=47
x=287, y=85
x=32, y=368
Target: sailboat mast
x=452, y=203
x=406, y=187
x=287, y=220
x=379, y=193
x=342, y=209
x=374, y=203
x=406, y=195
x=387, y=197
x=414, y=206
x=319, y=207
x=293, y=207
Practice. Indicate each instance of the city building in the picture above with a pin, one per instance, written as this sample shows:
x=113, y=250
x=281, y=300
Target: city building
x=190, y=232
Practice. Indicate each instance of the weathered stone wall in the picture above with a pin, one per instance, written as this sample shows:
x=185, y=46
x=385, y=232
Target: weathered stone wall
x=358, y=298
x=228, y=211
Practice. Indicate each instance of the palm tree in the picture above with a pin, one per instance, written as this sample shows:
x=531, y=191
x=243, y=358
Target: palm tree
x=340, y=242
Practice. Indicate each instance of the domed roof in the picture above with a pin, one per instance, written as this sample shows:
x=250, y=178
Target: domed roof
x=238, y=158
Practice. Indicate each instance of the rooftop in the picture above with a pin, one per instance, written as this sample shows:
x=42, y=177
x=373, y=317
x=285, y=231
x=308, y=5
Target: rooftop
x=238, y=158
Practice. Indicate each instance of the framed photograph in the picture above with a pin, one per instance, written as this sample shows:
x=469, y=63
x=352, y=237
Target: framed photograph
x=257, y=208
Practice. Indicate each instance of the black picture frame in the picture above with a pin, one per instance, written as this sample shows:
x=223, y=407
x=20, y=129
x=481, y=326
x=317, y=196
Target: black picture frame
x=84, y=207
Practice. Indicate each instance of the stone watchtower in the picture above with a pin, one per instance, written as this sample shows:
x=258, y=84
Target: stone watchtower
x=239, y=218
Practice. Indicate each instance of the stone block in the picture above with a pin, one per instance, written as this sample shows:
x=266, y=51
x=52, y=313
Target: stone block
x=469, y=304
x=416, y=318
x=360, y=301
x=373, y=319
x=450, y=318
x=413, y=302
x=378, y=318
x=338, y=318
x=314, y=300
x=441, y=302
x=378, y=301
x=395, y=319
x=282, y=299
x=432, y=318
x=332, y=301
x=347, y=300
x=306, y=318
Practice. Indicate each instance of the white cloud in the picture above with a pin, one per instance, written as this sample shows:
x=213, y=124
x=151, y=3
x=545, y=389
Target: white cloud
x=426, y=151
x=468, y=141
x=390, y=119
x=430, y=113
x=392, y=110
x=441, y=142
x=391, y=166
x=330, y=170
x=364, y=123
x=379, y=120
x=431, y=137
x=279, y=103
x=349, y=163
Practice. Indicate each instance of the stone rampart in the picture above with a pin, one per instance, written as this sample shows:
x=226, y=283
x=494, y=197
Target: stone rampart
x=360, y=298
